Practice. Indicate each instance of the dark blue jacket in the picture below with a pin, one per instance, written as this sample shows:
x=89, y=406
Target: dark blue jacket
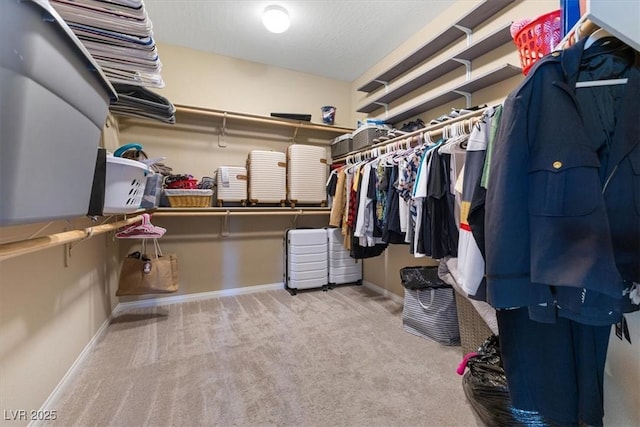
x=562, y=213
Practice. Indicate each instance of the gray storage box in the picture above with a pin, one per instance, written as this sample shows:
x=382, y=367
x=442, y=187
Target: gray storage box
x=364, y=135
x=54, y=101
x=341, y=145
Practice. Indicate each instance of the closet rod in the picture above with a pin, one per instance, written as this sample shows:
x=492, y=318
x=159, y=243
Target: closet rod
x=232, y=213
x=257, y=119
x=21, y=247
x=432, y=129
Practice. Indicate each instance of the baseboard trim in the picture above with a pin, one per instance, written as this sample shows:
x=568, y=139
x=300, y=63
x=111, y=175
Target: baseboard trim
x=382, y=291
x=49, y=404
x=179, y=299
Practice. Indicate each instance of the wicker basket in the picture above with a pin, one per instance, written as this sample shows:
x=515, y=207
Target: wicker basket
x=189, y=198
x=473, y=329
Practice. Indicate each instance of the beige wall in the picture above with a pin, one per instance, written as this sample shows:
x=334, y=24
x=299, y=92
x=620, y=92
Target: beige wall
x=219, y=82
x=49, y=312
x=252, y=253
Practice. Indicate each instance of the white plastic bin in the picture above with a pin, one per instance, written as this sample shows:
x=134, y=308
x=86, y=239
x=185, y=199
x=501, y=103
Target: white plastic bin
x=54, y=101
x=124, y=186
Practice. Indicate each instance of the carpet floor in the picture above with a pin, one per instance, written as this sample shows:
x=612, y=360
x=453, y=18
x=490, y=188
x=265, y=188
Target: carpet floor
x=336, y=358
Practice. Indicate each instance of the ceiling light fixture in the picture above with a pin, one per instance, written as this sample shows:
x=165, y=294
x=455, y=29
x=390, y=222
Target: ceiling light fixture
x=275, y=19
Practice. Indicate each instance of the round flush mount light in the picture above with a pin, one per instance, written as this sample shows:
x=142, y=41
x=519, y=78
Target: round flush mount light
x=275, y=19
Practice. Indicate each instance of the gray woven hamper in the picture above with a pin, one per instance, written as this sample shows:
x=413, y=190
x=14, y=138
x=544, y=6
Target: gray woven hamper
x=473, y=328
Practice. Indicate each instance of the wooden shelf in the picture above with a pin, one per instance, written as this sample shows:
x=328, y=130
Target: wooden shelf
x=428, y=102
x=21, y=247
x=222, y=116
x=471, y=20
x=196, y=118
x=241, y=211
x=425, y=75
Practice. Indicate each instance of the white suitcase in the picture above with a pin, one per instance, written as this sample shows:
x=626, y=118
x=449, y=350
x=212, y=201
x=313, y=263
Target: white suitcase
x=342, y=268
x=267, y=171
x=306, y=174
x=231, y=185
x=306, y=263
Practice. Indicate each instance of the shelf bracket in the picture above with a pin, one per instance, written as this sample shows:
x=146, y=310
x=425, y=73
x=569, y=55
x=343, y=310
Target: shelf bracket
x=69, y=246
x=467, y=65
x=295, y=217
x=386, y=107
x=222, y=135
x=295, y=133
x=385, y=84
x=224, y=225
x=467, y=96
x=40, y=230
x=467, y=31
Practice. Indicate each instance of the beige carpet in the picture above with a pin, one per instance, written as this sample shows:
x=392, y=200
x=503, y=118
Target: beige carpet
x=336, y=358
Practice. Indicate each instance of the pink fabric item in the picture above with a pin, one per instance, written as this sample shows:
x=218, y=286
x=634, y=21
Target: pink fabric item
x=463, y=365
x=518, y=25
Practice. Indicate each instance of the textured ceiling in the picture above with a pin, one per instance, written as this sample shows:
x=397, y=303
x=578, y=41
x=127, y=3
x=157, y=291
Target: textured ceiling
x=336, y=39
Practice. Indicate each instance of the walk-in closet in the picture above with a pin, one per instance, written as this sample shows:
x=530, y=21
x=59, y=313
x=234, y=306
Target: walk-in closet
x=389, y=213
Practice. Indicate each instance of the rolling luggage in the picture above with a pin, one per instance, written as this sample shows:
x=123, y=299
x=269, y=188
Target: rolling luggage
x=231, y=185
x=306, y=175
x=306, y=264
x=267, y=172
x=342, y=268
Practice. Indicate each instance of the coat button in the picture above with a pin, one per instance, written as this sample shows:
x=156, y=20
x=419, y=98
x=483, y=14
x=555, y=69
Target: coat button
x=557, y=165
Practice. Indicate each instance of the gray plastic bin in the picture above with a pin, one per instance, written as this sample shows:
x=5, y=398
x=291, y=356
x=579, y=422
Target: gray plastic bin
x=53, y=102
x=341, y=145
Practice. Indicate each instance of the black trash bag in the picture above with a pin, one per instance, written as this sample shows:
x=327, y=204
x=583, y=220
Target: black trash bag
x=422, y=277
x=485, y=386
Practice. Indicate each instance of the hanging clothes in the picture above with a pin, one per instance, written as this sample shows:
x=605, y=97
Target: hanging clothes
x=562, y=203
x=391, y=231
x=363, y=244
x=562, y=221
x=471, y=263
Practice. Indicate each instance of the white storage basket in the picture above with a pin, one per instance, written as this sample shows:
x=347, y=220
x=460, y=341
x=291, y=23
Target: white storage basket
x=124, y=185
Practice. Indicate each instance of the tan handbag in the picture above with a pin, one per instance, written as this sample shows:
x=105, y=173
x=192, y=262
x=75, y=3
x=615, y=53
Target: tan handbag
x=141, y=274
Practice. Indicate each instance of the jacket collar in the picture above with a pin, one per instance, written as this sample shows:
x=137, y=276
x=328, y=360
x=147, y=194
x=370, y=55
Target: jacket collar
x=570, y=61
x=627, y=132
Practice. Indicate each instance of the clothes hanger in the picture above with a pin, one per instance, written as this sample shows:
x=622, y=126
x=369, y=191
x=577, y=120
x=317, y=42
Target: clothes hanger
x=427, y=137
x=143, y=230
x=599, y=34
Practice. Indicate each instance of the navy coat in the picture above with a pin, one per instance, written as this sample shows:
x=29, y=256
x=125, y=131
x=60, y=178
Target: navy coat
x=563, y=220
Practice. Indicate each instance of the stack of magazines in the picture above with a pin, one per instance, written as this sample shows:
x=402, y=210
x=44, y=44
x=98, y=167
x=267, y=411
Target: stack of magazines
x=118, y=34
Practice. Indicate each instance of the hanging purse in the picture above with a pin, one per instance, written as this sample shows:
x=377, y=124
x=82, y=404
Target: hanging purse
x=142, y=274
